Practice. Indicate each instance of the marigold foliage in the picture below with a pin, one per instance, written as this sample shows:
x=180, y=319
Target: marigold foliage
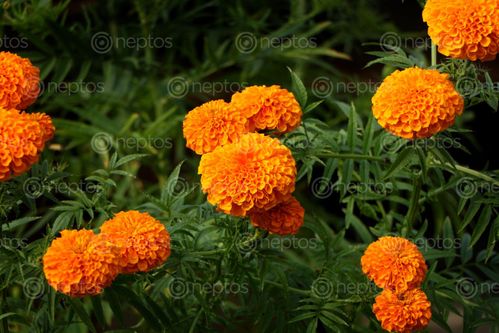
x=394, y=263
x=22, y=139
x=80, y=263
x=143, y=241
x=213, y=124
x=255, y=172
x=268, y=108
x=416, y=103
x=19, y=82
x=464, y=29
x=405, y=313
x=284, y=219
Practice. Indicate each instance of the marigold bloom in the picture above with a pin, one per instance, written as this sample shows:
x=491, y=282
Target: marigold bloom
x=213, y=124
x=395, y=263
x=19, y=82
x=416, y=103
x=268, y=108
x=464, y=29
x=284, y=219
x=80, y=263
x=255, y=172
x=22, y=139
x=143, y=240
x=404, y=313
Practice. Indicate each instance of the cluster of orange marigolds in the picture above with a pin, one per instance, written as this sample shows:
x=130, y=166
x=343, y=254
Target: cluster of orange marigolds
x=81, y=263
x=248, y=173
x=396, y=265
x=22, y=135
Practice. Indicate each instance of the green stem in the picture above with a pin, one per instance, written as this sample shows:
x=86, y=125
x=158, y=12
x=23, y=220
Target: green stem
x=276, y=284
x=433, y=54
x=330, y=154
x=207, y=253
x=413, y=206
x=467, y=171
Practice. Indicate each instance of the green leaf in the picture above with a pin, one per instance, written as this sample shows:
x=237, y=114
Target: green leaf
x=402, y=160
x=481, y=225
x=299, y=89
x=82, y=313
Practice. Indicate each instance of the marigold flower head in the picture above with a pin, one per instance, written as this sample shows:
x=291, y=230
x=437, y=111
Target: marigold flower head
x=404, y=313
x=416, y=103
x=394, y=263
x=143, y=241
x=464, y=29
x=19, y=82
x=285, y=218
x=268, y=108
x=80, y=263
x=213, y=124
x=255, y=172
x=22, y=139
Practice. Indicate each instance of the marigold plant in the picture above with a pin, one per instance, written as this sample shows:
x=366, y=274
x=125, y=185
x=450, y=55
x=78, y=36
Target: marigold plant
x=402, y=313
x=394, y=263
x=143, y=241
x=416, y=103
x=19, y=82
x=464, y=29
x=80, y=263
x=255, y=172
x=284, y=219
x=268, y=108
x=22, y=139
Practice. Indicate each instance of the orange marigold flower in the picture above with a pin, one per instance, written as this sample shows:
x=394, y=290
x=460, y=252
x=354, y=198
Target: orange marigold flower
x=416, y=103
x=80, y=263
x=19, y=82
x=143, y=240
x=268, y=108
x=284, y=219
x=395, y=263
x=213, y=124
x=403, y=313
x=255, y=172
x=22, y=139
x=464, y=29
